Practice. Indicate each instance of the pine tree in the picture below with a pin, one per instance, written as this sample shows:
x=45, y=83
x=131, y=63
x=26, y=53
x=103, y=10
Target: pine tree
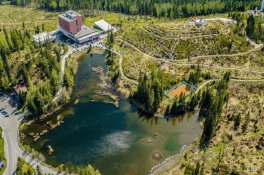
x=211, y=108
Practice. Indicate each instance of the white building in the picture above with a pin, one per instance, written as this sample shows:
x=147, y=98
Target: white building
x=262, y=6
x=43, y=37
x=199, y=22
x=103, y=25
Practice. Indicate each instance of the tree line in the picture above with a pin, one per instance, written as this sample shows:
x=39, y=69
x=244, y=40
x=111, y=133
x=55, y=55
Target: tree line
x=157, y=8
x=211, y=105
x=34, y=65
x=14, y=40
x=249, y=25
x=149, y=92
x=255, y=29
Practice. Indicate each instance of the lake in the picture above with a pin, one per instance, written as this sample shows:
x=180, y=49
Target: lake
x=117, y=140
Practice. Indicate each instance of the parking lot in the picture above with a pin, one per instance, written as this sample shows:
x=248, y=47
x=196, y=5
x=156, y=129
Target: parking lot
x=9, y=122
x=7, y=107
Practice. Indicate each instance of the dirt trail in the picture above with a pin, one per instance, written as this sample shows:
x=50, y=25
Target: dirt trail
x=181, y=63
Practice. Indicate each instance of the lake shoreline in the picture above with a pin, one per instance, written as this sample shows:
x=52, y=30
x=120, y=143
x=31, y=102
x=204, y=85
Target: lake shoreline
x=72, y=101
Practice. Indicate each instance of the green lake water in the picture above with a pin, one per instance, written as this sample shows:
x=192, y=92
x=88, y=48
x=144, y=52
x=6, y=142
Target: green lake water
x=111, y=138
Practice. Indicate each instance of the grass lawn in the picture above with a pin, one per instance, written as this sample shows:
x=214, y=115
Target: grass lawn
x=2, y=152
x=24, y=168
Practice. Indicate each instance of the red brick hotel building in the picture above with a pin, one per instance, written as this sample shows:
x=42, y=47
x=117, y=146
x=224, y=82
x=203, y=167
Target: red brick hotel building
x=71, y=24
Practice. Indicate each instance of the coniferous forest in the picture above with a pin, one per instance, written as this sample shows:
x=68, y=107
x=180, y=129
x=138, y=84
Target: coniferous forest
x=157, y=8
x=149, y=92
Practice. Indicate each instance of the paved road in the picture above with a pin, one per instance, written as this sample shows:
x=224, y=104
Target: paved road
x=10, y=135
x=63, y=62
x=9, y=126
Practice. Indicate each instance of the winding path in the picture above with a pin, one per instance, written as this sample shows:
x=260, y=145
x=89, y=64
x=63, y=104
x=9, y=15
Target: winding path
x=256, y=48
x=180, y=37
x=120, y=63
x=232, y=79
x=200, y=87
x=179, y=63
x=121, y=69
x=225, y=20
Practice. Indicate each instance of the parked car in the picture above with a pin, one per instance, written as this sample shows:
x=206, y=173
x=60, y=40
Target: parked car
x=2, y=164
x=5, y=114
x=1, y=109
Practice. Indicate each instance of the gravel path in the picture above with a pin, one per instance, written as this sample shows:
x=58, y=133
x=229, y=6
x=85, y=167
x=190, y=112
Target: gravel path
x=179, y=63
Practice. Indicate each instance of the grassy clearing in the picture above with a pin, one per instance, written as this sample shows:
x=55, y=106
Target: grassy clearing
x=121, y=19
x=145, y=42
x=179, y=29
x=135, y=63
x=253, y=61
x=164, y=38
x=13, y=17
x=214, y=45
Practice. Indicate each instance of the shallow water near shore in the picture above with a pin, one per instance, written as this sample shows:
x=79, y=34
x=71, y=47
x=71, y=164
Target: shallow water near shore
x=115, y=140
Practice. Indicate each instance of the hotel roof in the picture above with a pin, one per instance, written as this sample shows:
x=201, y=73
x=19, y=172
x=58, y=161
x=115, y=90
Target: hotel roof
x=69, y=15
x=84, y=32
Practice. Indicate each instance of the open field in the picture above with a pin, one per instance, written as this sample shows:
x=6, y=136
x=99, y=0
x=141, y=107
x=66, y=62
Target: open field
x=175, y=40
x=253, y=61
x=12, y=16
x=147, y=43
